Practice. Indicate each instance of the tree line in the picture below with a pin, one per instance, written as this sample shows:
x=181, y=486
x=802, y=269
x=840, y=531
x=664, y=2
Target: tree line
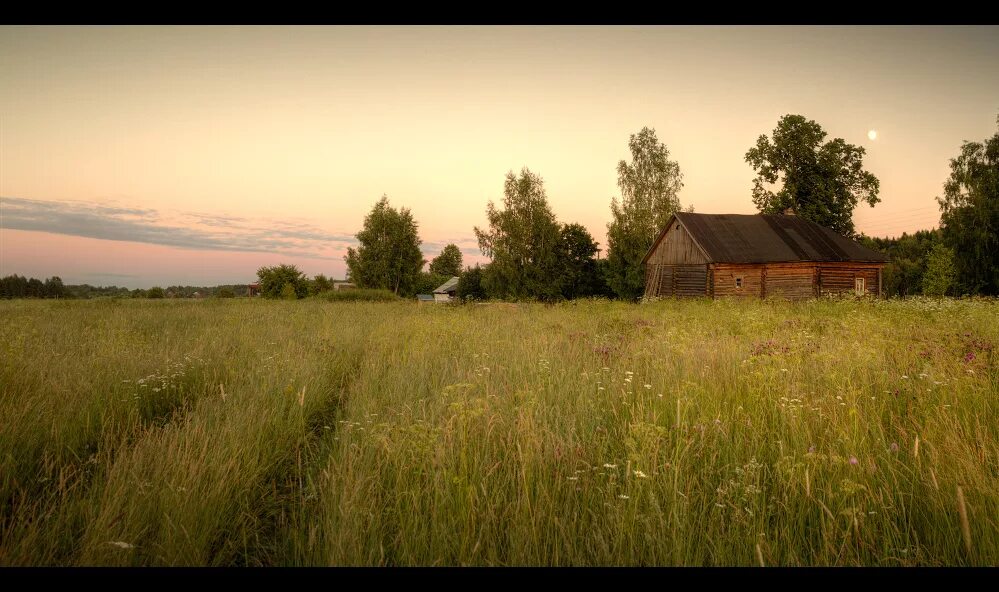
x=17, y=286
x=535, y=256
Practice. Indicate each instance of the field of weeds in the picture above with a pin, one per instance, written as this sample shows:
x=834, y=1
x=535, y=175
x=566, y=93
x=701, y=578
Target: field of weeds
x=249, y=432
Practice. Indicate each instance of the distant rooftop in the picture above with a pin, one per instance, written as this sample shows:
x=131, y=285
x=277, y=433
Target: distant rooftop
x=448, y=286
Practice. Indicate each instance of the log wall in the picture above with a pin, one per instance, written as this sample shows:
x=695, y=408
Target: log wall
x=838, y=278
x=794, y=281
x=724, y=275
x=664, y=281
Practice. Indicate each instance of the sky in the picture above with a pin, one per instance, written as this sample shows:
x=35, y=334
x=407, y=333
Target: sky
x=141, y=156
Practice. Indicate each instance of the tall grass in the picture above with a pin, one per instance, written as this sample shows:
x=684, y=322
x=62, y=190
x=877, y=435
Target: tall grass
x=588, y=433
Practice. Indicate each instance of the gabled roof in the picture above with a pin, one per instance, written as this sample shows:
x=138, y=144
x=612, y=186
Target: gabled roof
x=766, y=238
x=448, y=286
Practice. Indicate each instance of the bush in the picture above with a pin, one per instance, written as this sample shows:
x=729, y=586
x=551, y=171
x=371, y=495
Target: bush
x=225, y=293
x=470, y=285
x=358, y=294
x=155, y=292
x=274, y=279
x=941, y=274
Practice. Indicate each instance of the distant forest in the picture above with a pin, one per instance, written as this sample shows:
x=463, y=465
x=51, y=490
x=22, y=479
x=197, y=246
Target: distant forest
x=16, y=286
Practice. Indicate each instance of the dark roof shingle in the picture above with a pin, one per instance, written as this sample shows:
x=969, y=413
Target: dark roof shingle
x=765, y=238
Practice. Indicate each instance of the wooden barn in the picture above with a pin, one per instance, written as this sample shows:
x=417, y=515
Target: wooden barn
x=757, y=256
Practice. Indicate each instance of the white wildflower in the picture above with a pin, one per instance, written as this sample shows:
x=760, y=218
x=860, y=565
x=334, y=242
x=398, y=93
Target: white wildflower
x=121, y=544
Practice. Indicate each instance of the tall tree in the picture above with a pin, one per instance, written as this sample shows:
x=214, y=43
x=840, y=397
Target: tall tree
x=822, y=182
x=578, y=264
x=388, y=256
x=448, y=263
x=649, y=196
x=522, y=241
x=54, y=287
x=970, y=215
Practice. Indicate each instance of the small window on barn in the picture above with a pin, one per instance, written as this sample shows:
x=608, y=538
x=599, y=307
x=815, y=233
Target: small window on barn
x=738, y=281
x=677, y=227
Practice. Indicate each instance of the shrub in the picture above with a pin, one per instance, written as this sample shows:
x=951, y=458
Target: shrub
x=274, y=279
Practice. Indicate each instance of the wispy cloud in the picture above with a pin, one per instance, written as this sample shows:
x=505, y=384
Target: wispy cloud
x=110, y=275
x=190, y=230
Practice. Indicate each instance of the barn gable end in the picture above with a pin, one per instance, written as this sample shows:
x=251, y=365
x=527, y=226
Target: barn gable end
x=676, y=265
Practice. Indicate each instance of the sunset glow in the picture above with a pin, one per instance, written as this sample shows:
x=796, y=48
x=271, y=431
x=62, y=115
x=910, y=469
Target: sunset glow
x=194, y=155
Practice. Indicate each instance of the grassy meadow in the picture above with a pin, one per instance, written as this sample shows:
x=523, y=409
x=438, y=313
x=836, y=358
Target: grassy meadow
x=251, y=432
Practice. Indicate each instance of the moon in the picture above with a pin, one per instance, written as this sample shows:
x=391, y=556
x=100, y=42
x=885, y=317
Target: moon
x=872, y=135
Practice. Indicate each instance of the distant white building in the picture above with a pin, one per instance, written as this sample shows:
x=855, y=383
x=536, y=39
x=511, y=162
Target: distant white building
x=447, y=291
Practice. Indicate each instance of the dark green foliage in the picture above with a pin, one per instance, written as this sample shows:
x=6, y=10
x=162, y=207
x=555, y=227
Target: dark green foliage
x=274, y=279
x=903, y=276
x=470, y=284
x=359, y=295
x=388, y=256
x=649, y=188
x=822, y=182
x=288, y=292
x=970, y=216
x=155, y=292
x=225, y=293
x=16, y=286
x=523, y=242
x=427, y=282
x=577, y=255
x=320, y=284
x=448, y=263
x=54, y=288
x=940, y=271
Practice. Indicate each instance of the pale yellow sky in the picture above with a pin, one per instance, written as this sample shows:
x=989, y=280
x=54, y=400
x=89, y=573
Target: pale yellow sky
x=304, y=128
